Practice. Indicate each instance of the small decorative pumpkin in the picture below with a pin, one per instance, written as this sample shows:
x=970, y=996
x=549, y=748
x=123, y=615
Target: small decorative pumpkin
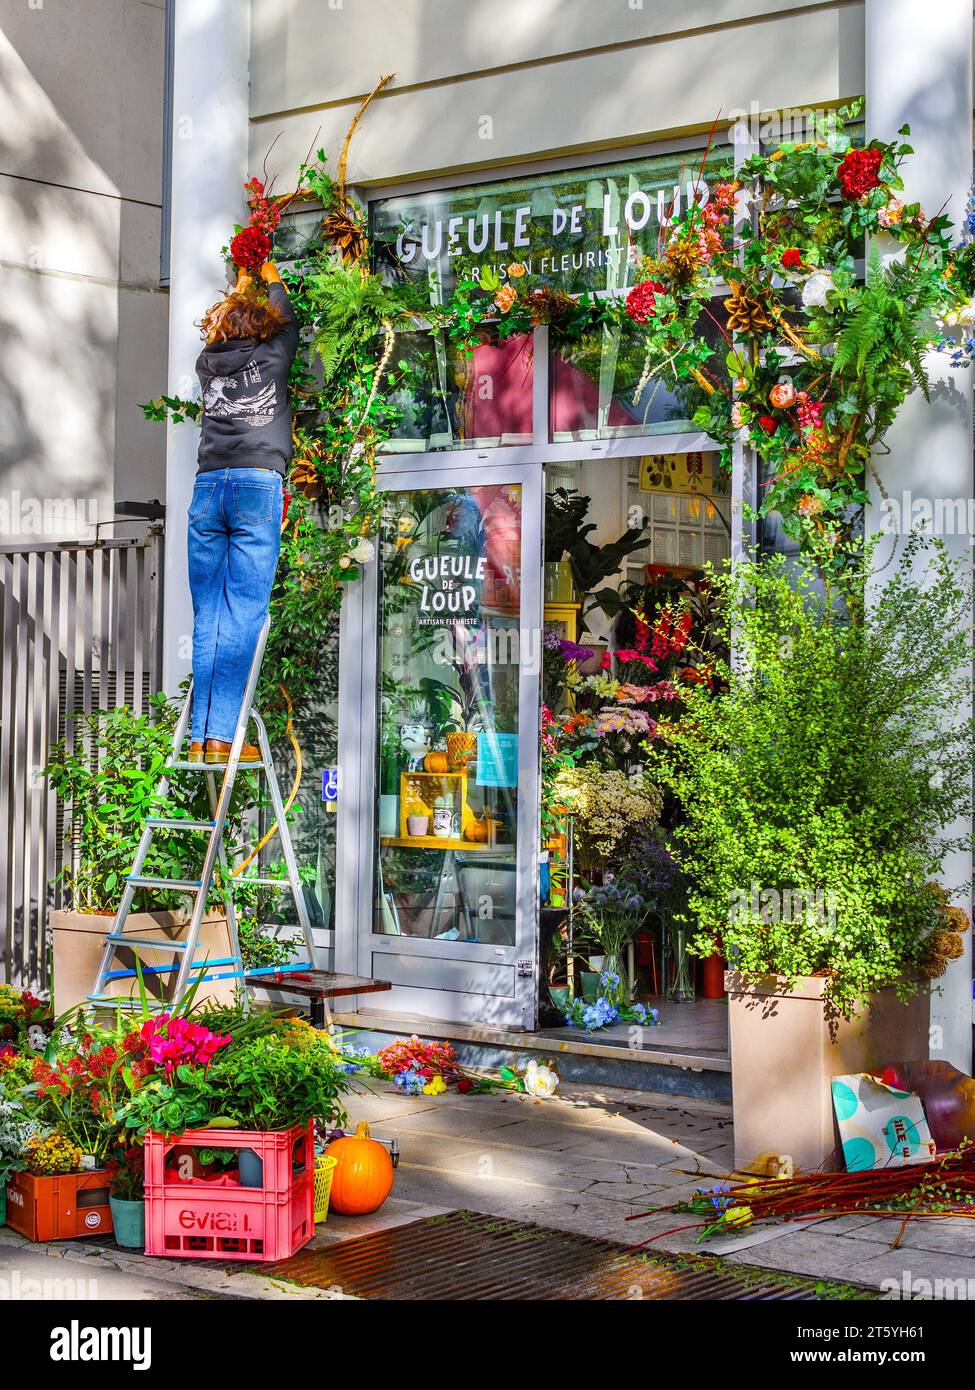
x=363, y=1175
x=436, y=760
x=479, y=831
x=783, y=394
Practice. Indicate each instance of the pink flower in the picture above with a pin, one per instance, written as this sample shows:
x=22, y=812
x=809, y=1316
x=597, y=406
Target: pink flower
x=173, y=1041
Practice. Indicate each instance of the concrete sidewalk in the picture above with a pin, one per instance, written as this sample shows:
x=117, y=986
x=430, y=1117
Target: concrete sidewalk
x=583, y=1161
x=586, y=1160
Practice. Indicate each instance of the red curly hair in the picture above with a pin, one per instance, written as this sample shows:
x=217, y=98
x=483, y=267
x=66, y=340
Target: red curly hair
x=241, y=316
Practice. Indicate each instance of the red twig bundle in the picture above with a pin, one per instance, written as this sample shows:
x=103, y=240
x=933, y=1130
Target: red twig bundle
x=945, y=1187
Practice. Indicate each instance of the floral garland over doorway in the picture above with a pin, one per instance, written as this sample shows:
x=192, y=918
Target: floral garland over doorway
x=820, y=350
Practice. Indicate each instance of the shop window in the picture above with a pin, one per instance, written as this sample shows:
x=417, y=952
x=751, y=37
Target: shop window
x=446, y=400
x=600, y=388
x=577, y=231
x=449, y=635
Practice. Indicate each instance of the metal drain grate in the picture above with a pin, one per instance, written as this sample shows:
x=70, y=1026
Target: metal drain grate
x=465, y=1255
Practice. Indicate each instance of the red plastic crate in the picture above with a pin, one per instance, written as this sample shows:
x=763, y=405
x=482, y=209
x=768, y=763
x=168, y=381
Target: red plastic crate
x=59, y=1208
x=216, y=1218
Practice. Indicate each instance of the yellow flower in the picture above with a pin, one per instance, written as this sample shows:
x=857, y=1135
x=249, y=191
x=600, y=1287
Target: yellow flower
x=436, y=1087
x=737, y=1216
x=515, y=270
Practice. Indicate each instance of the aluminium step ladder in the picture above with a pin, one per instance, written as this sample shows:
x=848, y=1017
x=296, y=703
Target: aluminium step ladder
x=190, y=969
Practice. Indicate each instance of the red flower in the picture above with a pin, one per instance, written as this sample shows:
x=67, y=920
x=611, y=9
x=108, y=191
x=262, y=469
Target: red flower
x=859, y=172
x=132, y=1042
x=464, y=1084
x=250, y=248
x=641, y=302
x=791, y=257
x=768, y=424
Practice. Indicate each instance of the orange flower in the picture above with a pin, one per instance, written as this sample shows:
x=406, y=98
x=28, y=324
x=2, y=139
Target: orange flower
x=505, y=297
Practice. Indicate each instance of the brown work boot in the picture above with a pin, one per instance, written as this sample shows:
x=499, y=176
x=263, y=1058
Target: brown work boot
x=196, y=752
x=218, y=752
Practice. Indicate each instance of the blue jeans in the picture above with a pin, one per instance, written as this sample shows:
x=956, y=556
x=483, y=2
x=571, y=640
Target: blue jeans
x=233, y=545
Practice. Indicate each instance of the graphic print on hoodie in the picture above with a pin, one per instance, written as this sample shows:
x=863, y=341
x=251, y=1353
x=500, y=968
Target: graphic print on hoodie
x=246, y=412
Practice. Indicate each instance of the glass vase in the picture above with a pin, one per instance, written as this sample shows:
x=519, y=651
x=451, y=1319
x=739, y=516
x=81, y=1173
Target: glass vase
x=682, y=985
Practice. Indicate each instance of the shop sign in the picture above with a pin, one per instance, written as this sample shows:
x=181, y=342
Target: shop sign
x=579, y=229
x=448, y=587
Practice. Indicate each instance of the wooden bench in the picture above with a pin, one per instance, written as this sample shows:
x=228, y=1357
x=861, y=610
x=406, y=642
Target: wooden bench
x=318, y=987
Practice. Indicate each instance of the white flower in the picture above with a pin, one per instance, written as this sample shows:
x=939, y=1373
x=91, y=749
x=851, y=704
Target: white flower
x=966, y=314
x=364, y=551
x=540, y=1081
x=816, y=288
x=36, y=1037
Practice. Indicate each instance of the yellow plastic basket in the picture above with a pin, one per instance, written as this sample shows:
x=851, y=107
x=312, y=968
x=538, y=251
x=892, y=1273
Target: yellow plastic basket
x=324, y=1168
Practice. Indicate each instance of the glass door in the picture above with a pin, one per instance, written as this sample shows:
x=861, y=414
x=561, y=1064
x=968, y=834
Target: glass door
x=451, y=912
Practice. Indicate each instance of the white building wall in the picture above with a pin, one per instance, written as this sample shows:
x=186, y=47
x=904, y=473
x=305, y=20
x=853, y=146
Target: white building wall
x=490, y=82
x=82, y=315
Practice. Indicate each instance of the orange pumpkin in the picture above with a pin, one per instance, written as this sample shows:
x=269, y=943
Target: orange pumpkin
x=436, y=760
x=363, y=1175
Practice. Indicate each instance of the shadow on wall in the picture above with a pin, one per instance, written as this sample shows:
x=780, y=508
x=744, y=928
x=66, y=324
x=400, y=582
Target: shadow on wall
x=72, y=244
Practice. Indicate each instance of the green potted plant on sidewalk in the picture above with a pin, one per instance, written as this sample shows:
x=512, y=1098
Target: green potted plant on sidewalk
x=126, y=1185
x=821, y=783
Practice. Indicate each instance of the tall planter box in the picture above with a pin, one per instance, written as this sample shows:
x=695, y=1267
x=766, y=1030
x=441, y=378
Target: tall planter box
x=59, y=1208
x=80, y=936
x=783, y=1059
x=218, y=1218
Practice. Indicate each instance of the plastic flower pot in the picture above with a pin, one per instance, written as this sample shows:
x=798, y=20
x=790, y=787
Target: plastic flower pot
x=250, y=1168
x=129, y=1221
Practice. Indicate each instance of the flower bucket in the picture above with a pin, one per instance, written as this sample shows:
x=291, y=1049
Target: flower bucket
x=324, y=1168
x=129, y=1221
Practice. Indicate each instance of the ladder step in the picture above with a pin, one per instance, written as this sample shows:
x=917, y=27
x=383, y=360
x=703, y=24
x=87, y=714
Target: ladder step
x=122, y=1001
x=145, y=945
x=180, y=885
x=170, y=969
x=161, y=823
x=212, y=767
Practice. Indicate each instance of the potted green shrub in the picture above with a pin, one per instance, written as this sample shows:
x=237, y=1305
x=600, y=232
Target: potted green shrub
x=820, y=782
x=106, y=777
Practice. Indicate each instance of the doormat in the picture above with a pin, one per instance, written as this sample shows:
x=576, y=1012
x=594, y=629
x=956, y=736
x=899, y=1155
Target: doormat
x=465, y=1255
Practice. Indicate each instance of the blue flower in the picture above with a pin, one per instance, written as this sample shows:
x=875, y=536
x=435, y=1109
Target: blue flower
x=609, y=980
x=410, y=1080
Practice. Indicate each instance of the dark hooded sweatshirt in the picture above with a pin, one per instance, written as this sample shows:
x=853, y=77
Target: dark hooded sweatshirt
x=246, y=413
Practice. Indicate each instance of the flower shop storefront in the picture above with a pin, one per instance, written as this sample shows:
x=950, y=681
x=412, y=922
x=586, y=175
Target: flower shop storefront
x=547, y=509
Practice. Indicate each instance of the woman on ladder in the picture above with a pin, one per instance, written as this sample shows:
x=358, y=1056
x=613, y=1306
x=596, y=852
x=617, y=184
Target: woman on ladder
x=235, y=514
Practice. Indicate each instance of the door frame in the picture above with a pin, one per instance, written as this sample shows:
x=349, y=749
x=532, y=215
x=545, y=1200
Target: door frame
x=356, y=940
